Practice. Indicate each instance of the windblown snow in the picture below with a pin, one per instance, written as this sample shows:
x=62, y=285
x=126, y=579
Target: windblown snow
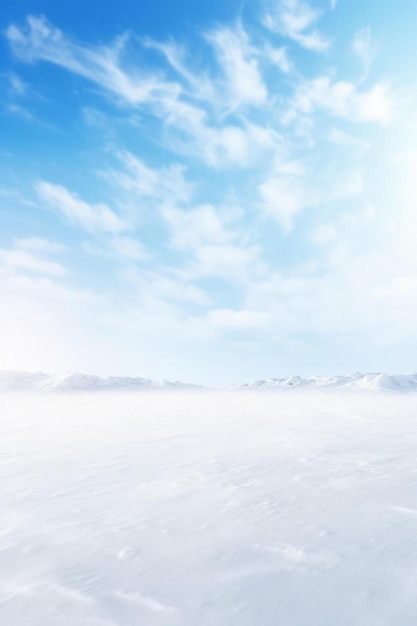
x=208, y=509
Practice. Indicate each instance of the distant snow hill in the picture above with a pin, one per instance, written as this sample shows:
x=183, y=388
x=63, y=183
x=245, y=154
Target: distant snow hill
x=370, y=382
x=28, y=381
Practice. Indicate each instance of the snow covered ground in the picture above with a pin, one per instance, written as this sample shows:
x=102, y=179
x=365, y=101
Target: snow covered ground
x=208, y=509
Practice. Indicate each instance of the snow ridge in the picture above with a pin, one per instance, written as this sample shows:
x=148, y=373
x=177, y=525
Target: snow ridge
x=370, y=382
x=76, y=381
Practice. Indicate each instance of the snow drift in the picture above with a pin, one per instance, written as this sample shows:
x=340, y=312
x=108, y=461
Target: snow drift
x=370, y=382
x=27, y=381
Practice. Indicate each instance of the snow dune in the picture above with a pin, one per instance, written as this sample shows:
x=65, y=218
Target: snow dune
x=76, y=381
x=371, y=382
x=220, y=509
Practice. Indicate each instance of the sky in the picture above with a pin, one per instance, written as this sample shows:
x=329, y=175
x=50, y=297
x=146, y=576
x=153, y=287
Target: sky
x=213, y=192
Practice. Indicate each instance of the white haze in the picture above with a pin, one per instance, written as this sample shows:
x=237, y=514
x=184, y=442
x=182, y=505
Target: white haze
x=208, y=509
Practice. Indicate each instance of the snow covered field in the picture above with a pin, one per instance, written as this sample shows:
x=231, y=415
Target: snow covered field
x=208, y=509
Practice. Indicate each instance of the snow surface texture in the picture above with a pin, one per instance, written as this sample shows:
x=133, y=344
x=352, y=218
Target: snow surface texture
x=29, y=381
x=219, y=509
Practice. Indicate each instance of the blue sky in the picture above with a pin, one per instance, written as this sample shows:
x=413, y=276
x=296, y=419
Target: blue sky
x=212, y=192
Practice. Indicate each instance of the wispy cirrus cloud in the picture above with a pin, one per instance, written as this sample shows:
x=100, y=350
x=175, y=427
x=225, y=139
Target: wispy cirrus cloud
x=365, y=49
x=103, y=65
x=92, y=217
x=293, y=188
x=165, y=287
x=192, y=114
x=17, y=85
x=235, y=183
x=196, y=82
x=31, y=255
x=213, y=241
x=154, y=185
x=205, y=113
x=282, y=197
x=39, y=244
x=279, y=57
x=129, y=248
x=296, y=19
x=192, y=111
x=244, y=84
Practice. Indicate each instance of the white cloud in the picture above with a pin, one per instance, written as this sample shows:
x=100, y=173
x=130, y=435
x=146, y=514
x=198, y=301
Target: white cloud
x=240, y=82
x=21, y=111
x=238, y=144
x=295, y=19
x=191, y=112
x=19, y=259
x=129, y=248
x=93, y=217
x=198, y=84
x=375, y=105
x=103, y=66
x=39, y=244
x=242, y=147
x=244, y=84
x=216, y=249
x=279, y=57
x=163, y=287
x=347, y=140
x=31, y=254
x=364, y=48
x=235, y=263
x=190, y=229
x=343, y=99
x=226, y=114
x=152, y=184
x=293, y=186
x=17, y=85
x=282, y=193
x=282, y=198
x=124, y=250
x=351, y=286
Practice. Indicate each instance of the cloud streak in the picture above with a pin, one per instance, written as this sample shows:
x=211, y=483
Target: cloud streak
x=295, y=19
x=93, y=217
x=40, y=40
